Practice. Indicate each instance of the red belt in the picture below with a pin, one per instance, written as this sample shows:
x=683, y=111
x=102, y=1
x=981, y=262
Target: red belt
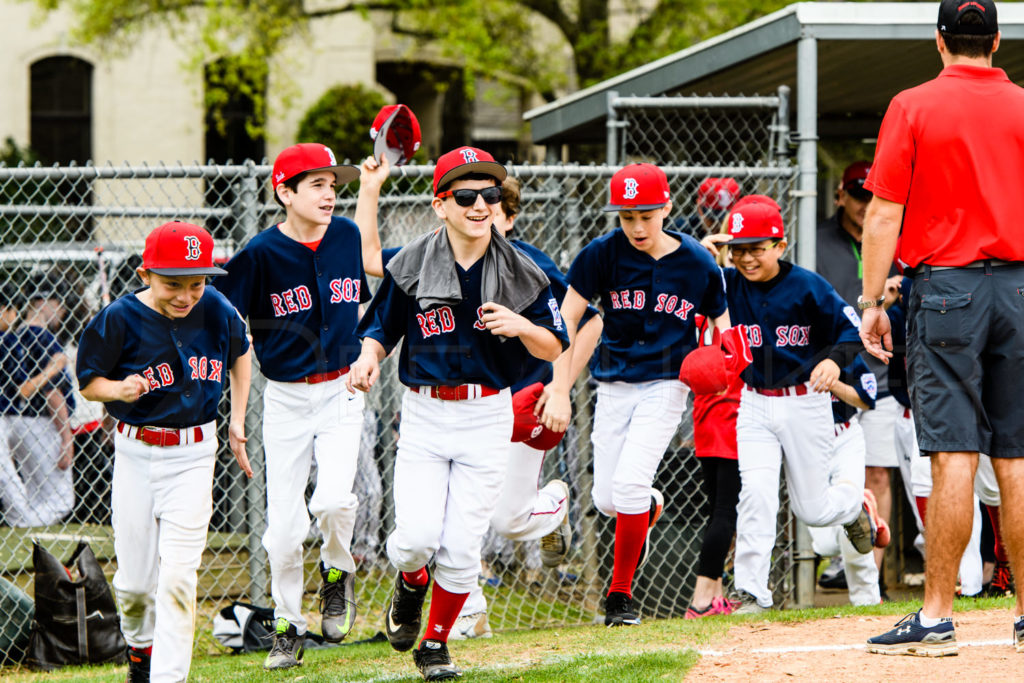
x=462, y=392
x=798, y=390
x=906, y=413
x=322, y=377
x=160, y=436
x=87, y=427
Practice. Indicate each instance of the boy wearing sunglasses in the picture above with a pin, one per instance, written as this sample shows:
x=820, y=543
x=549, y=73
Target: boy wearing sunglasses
x=801, y=333
x=651, y=283
x=469, y=310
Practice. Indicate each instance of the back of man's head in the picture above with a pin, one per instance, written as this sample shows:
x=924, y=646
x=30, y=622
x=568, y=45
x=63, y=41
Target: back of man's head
x=968, y=27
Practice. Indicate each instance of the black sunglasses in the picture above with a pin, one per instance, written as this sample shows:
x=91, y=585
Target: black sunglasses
x=466, y=197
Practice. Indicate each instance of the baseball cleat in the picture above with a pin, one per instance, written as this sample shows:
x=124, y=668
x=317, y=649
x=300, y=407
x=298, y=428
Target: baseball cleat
x=554, y=547
x=718, y=605
x=434, y=662
x=862, y=530
x=834, y=576
x=471, y=626
x=402, y=622
x=911, y=638
x=619, y=610
x=287, y=649
x=337, y=604
x=1001, y=584
x=748, y=604
x=1018, y=634
x=138, y=665
x=657, y=507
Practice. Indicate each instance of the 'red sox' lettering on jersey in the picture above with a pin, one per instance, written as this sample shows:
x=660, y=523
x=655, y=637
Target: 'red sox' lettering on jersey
x=436, y=321
x=160, y=376
x=291, y=301
x=205, y=368
x=673, y=305
x=632, y=299
x=792, y=335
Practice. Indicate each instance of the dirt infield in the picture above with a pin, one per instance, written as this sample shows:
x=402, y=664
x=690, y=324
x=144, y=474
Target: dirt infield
x=833, y=650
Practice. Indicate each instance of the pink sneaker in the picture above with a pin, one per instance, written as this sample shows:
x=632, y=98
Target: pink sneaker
x=724, y=605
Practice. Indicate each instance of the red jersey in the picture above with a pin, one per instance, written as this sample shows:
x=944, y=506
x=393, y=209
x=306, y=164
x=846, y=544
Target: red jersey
x=714, y=416
x=951, y=150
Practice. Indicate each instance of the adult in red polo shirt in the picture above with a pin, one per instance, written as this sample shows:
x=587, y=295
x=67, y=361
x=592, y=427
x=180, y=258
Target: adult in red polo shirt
x=942, y=150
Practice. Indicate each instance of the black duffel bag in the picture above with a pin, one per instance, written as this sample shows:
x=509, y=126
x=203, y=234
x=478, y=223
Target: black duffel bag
x=76, y=619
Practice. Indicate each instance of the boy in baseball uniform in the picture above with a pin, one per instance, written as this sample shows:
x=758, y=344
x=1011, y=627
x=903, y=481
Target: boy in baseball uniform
x=158, y=359
x=801, y=333
x=651, y=283
x=469, y=310
x=300, y=283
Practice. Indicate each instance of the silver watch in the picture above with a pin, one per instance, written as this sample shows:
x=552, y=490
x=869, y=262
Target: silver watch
x=863, y=303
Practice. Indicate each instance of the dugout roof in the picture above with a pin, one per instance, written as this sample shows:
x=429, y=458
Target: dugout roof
x=866, y=53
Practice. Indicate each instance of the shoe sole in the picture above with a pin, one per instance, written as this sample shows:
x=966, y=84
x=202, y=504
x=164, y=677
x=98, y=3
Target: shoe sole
x=915, y=649
x=659, y=508
x=551, y=560
x=622, y=622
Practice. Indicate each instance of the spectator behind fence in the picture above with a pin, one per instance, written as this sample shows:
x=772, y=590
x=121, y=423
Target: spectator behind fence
x=38, y=392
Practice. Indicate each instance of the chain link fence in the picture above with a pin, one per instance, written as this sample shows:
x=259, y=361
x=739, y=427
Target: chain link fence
x=72, y=238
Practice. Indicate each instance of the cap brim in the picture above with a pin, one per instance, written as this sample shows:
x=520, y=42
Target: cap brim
x=491, y=168
x=175, y=272
x=632, y=207
x=381, y=148
x=754, y=240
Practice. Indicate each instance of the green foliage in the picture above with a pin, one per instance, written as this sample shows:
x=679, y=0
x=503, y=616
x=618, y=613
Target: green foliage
x=341, y=120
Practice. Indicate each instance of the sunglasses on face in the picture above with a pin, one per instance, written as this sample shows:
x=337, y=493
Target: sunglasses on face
x=756, y=252
x=466, y=197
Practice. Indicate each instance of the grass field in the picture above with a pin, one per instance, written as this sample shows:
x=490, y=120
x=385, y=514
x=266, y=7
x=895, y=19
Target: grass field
x=662, y=650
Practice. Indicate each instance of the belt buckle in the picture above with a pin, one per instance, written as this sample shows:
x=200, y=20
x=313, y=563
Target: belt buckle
x=446, y=393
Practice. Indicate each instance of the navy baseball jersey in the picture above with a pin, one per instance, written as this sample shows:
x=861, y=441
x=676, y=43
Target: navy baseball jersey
x=536, y=370
x=793, y=321
x=859, y=376
x=27, y=351
x=302, y=305
x=898, y=386
x=448, y=345
x=185, y=360
x=648, y=304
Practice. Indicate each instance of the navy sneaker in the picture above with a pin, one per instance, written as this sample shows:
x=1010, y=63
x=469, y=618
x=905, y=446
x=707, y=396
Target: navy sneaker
x=911, y=638
x=1018, y=634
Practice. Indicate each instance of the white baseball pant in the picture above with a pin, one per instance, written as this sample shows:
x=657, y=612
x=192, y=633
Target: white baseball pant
x=34, y=449
x=847, y=464
x=907, y=453
x=524, y=512
x=879, y=425
x=633, y=425
x=449, y=470
x=797, y=433
x=161, y=499
x=18, y=508
x=302, y=421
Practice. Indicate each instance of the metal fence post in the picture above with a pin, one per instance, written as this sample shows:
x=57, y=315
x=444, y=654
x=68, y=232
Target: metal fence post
x=612, y=126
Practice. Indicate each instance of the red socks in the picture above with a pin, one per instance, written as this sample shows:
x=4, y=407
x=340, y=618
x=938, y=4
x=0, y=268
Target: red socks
x=922, y=506
x=1000, y=550
x=444, y=610
x=420, y=577
x=630, y=534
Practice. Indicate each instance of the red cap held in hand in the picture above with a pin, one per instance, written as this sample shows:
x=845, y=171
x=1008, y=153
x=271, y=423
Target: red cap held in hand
x=396, y=134
x=527, y=429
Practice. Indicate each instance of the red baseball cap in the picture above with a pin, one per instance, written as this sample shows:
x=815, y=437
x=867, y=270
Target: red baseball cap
x=757, y=199
x=396, y=133
x=755, y=222
x=638, y=187
x=526, y=428
x=307, y=157
x=180, y=249
x=718, y=194
x=463, y=161
x=712, y=369
x=854, y=177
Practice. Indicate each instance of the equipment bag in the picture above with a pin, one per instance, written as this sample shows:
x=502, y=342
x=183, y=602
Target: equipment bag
x=76, y=619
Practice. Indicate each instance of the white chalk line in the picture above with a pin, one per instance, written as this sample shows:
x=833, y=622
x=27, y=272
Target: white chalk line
x=829, y=648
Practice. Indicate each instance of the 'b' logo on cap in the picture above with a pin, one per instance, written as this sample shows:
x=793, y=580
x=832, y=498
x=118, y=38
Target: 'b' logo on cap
x=330, y=155
x=631, y=189
x=737, y=222
x=469, y=156
x=193, y=248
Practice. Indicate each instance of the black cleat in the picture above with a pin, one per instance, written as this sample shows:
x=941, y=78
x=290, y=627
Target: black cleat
x=138, y=666
x=619, y=610
x=337, y=604
x=402, y=622
x=434, y=662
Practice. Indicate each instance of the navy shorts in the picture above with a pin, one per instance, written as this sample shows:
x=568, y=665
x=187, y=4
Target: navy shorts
x=965, y=359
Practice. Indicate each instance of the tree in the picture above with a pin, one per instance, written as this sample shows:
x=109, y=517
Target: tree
x=339, y=120
x=546, y=46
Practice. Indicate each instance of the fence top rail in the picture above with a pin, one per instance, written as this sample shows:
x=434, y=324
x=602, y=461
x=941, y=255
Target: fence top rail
x=145, y=172
x=692, y=102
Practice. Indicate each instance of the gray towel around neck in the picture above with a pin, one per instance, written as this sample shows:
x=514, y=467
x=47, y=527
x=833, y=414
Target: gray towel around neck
x=425, y=269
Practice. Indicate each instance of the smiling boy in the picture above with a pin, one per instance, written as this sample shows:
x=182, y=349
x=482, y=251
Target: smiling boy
x=469, y=310
x=300, y=283
x=650, y=283
x=158, y=358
